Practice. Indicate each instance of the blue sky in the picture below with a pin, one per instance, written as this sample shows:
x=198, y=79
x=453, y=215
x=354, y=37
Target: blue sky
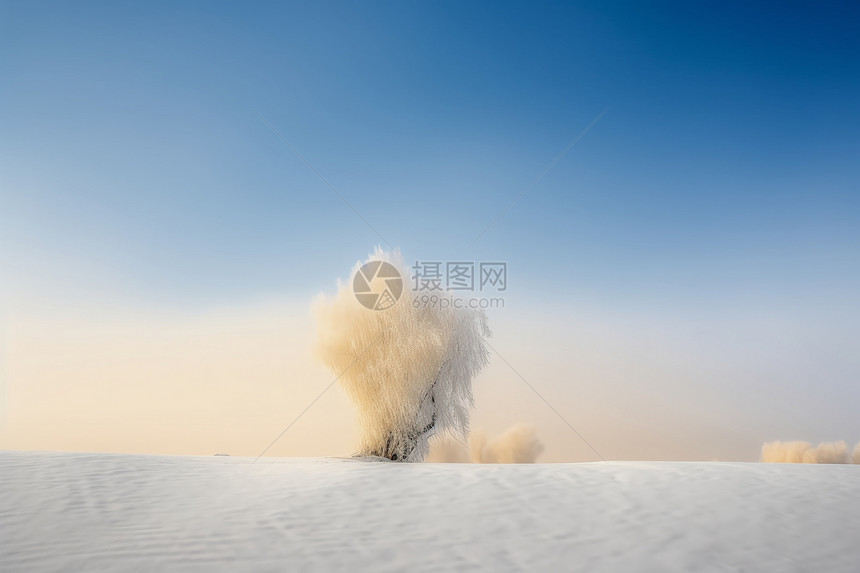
x=135, y=162
x=692, y=262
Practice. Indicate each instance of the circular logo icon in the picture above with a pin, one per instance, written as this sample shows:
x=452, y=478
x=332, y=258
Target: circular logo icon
x=377, y=285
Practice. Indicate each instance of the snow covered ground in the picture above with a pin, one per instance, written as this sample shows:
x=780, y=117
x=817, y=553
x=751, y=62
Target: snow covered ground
x=98, y=512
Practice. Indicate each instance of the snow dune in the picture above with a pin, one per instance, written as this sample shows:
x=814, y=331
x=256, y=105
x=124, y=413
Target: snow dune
x=102, y=512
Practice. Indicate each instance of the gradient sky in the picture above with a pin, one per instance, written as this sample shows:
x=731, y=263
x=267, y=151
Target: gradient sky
x=709, y=221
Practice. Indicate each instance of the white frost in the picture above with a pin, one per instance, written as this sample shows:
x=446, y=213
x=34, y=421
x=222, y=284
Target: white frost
x=408, y=370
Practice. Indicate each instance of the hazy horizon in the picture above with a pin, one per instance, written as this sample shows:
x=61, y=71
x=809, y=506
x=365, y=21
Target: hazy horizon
x=682, y=281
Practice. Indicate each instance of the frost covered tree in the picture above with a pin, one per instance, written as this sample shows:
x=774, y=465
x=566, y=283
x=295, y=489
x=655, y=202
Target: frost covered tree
x=408, y=368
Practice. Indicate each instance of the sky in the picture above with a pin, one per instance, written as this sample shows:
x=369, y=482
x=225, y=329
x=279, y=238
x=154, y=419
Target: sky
x=683, y=280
